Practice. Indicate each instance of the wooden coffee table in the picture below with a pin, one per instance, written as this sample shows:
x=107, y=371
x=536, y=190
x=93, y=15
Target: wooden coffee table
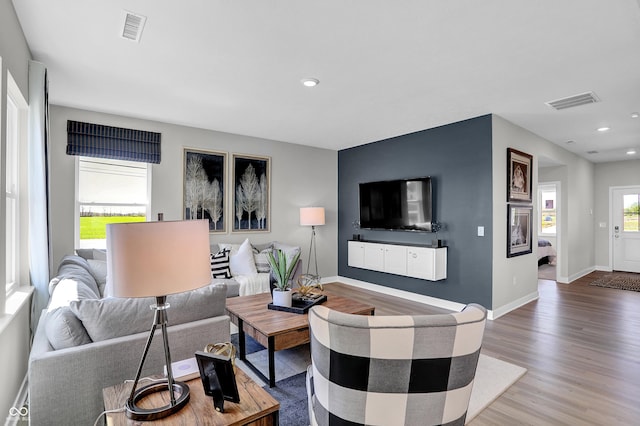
x=278, y=330
x=256, y=407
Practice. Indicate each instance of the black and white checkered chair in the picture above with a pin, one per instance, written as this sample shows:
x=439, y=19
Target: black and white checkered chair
x=392, y=370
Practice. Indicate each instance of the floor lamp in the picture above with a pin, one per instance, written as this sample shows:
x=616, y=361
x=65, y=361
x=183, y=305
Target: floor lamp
x=154, y=259
x=312, y=216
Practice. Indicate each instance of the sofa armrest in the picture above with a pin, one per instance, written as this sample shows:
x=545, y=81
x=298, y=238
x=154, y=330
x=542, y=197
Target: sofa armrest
x=65, y=386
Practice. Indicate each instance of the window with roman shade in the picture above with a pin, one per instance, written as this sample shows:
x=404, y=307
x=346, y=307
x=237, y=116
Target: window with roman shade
x=96, y=140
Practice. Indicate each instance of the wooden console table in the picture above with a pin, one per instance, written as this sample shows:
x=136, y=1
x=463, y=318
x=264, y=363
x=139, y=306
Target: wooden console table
x=256, y=407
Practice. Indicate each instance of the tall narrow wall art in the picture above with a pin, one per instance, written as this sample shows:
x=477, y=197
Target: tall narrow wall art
x=251, y=193
x=204, y=187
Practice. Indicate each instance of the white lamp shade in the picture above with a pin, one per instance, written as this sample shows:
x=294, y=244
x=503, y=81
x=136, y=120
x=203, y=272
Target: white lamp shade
x=311, y=216
x=157, y=258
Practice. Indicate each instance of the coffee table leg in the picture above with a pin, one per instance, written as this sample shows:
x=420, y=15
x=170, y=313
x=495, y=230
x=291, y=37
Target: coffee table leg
x=272, y=364
x=241, y=341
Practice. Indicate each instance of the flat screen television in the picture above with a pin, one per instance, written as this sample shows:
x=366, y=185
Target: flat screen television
x=403, y=204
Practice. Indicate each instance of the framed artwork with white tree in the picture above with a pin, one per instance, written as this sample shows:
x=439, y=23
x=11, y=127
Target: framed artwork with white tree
x=204, y=187
x=251, y=193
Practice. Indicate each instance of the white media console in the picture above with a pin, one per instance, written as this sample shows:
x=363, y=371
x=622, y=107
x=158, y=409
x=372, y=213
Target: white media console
x=427, y=263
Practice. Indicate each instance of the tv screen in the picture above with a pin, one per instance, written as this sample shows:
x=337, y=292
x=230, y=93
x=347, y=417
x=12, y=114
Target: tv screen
x=403, y=204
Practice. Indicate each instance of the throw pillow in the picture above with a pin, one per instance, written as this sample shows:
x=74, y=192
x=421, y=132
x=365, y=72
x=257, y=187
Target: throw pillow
x=99, y=269
x=242, y=263
x=233, y=248
x=64, y=329
x=220, y=264
x=262, y=261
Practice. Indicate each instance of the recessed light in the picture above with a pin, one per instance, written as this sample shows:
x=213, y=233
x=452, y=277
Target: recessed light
x=635, y=115
x=604, y=129
x=310, y=82
x=631, y=152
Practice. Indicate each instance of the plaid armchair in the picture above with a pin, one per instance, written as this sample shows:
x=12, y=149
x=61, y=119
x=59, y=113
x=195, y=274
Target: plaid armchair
x=392, y=370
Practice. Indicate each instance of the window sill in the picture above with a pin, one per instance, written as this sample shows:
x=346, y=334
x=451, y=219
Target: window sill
x=14, y=303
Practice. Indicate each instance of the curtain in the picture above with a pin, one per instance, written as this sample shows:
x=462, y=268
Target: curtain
x=38, y=175
x=96, y=140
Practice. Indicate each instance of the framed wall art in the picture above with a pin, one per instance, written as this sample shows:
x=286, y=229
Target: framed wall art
x=204, y=187
x=251, y=193
x=519, y=232
x=519, y=175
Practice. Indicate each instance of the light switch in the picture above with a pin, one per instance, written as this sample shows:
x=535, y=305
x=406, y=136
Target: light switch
x=480, y=231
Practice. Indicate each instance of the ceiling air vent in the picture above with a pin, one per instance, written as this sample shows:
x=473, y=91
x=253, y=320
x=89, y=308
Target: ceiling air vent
x=574, y=101
x=132, y=25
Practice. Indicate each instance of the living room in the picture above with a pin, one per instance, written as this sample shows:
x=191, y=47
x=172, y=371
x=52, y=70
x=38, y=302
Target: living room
x=466, y=158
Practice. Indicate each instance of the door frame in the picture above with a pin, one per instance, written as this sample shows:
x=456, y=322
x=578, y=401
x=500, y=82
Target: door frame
x=559, y=257
x=610, y=228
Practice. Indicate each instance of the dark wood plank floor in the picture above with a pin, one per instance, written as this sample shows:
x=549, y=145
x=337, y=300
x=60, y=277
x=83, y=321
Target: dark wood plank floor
x=580, y=344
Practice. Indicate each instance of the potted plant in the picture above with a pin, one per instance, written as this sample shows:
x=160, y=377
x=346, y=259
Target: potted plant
x=282, y=273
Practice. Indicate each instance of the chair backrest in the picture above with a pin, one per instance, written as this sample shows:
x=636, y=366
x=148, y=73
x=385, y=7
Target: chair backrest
x=393, y=370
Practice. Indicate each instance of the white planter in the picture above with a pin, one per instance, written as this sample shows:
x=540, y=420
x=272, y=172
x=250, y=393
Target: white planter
x=282, y=298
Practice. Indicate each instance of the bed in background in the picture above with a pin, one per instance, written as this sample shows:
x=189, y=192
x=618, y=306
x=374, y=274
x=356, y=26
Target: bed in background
x=546, y=252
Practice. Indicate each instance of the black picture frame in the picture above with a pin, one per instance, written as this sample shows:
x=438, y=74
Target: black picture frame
x=251, y=178
x=519, y=229
x=218, y=378
x=519, y=176
x=204, y=187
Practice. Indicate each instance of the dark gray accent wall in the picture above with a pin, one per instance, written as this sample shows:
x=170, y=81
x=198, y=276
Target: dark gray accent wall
x=458, y=158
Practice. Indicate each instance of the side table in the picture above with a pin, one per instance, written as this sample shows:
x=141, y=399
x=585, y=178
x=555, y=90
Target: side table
x=256, y=408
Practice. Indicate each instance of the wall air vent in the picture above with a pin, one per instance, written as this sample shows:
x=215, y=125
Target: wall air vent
x=574, y=101
x=132, y=26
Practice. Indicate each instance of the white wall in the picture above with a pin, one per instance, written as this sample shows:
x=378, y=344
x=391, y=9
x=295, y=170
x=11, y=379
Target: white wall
x=515, y=279
x=300, y=176
x=607, y=175
x=14, y=326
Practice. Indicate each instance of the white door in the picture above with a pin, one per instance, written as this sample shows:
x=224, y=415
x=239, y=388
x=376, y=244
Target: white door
x=626, y=232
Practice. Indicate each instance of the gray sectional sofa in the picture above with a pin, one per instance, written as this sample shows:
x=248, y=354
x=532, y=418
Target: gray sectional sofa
x=84, y=342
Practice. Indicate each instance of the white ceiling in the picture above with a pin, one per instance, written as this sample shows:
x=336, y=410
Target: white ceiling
x=386, y=68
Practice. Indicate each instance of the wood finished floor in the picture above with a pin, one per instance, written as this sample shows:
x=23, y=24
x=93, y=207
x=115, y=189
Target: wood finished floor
x=579, y=343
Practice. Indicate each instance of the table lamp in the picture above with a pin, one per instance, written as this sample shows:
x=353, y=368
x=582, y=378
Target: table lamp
x=312, y=216
x=154, y=259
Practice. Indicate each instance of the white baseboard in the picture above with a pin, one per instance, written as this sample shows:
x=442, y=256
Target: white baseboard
x=581, y=274
x=505, y=309
x=606, y=268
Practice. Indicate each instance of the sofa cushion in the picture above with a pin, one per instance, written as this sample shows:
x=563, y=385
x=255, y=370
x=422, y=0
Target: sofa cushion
x=78, y=269
x=64, y=329
x=99, y=270
x=220, y=264
x=115, y=317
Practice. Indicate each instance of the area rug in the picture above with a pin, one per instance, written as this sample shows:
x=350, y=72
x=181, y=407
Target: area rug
x=493, y=377
x=619, y=281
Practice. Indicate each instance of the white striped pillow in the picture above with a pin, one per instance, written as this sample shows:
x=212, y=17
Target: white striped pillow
x=220, y=264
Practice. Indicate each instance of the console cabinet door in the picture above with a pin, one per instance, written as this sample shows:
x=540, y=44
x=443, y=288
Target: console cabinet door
x=427, y=263
x=395, y=259
x=374, y=257
x=356, y=254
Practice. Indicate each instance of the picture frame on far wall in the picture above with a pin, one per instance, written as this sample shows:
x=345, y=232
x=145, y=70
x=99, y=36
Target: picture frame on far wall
x=251, y=178
x=204, y=192
x=519, y=176
x=519, y=229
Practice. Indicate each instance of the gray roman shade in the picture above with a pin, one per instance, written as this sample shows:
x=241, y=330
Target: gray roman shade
x=96, y=140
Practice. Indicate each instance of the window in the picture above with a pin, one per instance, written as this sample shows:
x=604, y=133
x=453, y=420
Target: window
x=109, y=191
x=15, y=182
x=631, y=213
x=547, y=200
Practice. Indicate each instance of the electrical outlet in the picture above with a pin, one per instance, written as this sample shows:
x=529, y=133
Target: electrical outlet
x=480, y=231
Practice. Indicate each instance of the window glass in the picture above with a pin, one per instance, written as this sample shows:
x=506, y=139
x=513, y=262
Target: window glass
x=547, y=197
x=631, y=212
x=11, y=194
x=109, y=191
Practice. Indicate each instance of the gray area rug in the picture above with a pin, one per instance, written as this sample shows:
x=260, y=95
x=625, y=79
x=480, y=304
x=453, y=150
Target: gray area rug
x=493, y=377
x=619, y=281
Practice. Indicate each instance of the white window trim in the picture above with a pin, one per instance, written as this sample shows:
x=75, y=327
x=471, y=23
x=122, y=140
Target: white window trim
x=76, y=210
x=21, y=226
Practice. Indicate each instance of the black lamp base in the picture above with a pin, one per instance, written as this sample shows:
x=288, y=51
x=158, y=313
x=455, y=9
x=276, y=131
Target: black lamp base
x=136, y=413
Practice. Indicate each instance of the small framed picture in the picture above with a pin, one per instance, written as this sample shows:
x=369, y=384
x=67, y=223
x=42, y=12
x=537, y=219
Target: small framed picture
x=251, y=193
x=519, y=175
x=519, y=232
x=204, y=187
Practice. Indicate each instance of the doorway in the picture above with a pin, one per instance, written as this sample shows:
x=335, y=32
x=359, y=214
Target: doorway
x=625, y=229
x=548, y=221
